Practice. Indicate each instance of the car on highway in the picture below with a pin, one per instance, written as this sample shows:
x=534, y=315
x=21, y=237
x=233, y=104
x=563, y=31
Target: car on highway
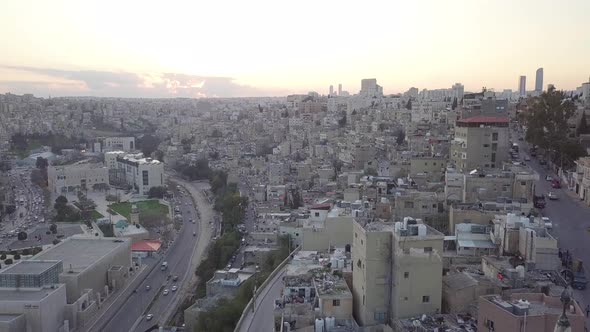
x=552, y=196
x=149, y=317
x=166, y=291
x=174, y=288
x=148, y=287
x=548, y=178
x=194, y=233
x=547, y=222
x=175, y=278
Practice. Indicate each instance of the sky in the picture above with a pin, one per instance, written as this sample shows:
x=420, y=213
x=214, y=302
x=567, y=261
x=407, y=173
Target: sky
x=198, y=48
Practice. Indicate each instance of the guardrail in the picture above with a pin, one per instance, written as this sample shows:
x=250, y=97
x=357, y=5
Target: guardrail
x=248, y=307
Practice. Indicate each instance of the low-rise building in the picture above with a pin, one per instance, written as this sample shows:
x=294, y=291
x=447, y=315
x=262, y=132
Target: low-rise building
x=535, y=311
x=64, y=179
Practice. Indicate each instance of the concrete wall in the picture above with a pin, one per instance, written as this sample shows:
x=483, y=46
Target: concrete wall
x=342, y=311
x=45, y=315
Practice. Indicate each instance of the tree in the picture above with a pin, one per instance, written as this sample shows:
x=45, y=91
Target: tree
x=156, y=192
x=409, y=104
x=583, y=126
x=454, y=104
x=55, y=242
x=400, y=137
x=22, y=236
x=53, y=228
x=41, y=163
x=9, y=209
x=8, y=261
x=547, y=118
x=148, y=144
x=159, y=155
x=61, y=200
x=371, y=171
x=342, y=121
x=16, y=257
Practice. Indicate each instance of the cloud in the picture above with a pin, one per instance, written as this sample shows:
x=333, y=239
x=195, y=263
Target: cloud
x=58, y=82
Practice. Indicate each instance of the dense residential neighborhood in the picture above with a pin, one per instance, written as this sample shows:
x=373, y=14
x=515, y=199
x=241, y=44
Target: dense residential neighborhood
x=430, y=209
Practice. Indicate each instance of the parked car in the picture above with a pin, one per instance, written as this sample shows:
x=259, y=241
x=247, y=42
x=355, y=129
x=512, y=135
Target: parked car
x=548, y=178
x=547, y=222
x=555, y=184
x=552, y=196
x=148, y=287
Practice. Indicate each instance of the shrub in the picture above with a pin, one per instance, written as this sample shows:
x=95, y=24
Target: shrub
x=3, y=256
x=8, y=261
x=16, y=257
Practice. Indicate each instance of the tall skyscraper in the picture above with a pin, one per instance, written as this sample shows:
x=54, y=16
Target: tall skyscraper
x=370, y=88
x=331, y=90
x=458, y=91
x=340, y=89
x=539, y=80
x=522, y=86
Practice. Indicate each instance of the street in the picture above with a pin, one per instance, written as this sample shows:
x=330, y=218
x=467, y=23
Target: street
x=571, y=220
x=123, y=316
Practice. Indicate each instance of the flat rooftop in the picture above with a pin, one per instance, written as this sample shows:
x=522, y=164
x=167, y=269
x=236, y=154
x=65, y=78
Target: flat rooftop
x=30, y=267
x=26, y=294
x=78, y=253
x=9, y=318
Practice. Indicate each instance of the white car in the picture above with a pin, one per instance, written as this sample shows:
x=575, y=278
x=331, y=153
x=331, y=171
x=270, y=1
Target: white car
x=547, y=222
x=552, y=196
x=174, y=288
x=165, y=292
x=149, y=317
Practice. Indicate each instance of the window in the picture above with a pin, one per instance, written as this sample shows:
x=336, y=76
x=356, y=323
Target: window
x=486, y=145
x=408, y=205
x=425, y=299
x=317, y=214
x=494, y=136
x=493, y=157
x=336, y=303
x=405, y=298
x=145, y=177
x=425, y=206
x=380, y=317
x=494, y=146
x=406, y=275
x=356, y=235
x=522, y=183
x=427, y=249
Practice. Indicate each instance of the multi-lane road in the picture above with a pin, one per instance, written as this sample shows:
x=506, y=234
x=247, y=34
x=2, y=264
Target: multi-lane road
x=129, y=311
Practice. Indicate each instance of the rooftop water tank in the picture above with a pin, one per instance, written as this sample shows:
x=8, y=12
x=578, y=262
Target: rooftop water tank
x=319, y=325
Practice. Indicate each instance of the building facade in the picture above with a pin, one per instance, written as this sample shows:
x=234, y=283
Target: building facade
x=480, y=142
x=62, y=179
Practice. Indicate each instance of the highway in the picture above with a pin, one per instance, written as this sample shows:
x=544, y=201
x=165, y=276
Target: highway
x=130, y=308
x=262, y=319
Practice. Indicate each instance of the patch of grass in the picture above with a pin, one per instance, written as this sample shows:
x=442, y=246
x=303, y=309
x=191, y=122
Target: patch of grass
x=146, y=208
x=96, y=215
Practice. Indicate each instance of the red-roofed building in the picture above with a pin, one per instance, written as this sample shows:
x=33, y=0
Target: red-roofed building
x=480, y=142
x=146, y=247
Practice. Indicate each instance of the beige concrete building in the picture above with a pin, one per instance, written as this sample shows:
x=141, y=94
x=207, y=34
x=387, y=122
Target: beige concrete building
x=433, y=167
x=91, y=263
x=397, y=270
x=512, y=184
x=62, y=179
x=480, y=142
x=531, y=311
x=581, y=179
x=427, y=206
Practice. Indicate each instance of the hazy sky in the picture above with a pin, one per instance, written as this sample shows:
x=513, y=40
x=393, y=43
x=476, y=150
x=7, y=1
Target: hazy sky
x=255, y=47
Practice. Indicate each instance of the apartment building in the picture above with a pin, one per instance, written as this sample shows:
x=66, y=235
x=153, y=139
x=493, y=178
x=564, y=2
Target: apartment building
x=68, y=178
x=397, y=270
x=581, y=179
x=526, y=312
x=480, y=142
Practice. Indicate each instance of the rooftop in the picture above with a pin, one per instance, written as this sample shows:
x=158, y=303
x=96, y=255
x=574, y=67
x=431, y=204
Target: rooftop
x=79, y=252
x=482, y=119
x=31, y=267
x=27, y=294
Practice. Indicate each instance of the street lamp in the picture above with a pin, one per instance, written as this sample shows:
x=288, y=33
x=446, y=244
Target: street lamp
x=563, y=323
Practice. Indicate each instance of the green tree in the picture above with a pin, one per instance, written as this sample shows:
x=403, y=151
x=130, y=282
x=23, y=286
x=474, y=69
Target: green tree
x=400, y=137
x=148, y=144
x=583, y=126
x=41, y=163
x=547, y=118
x=157, y=192
x=409, y=104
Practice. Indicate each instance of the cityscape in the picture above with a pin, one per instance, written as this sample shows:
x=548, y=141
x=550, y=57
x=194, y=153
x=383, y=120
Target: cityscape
x=185, y=199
